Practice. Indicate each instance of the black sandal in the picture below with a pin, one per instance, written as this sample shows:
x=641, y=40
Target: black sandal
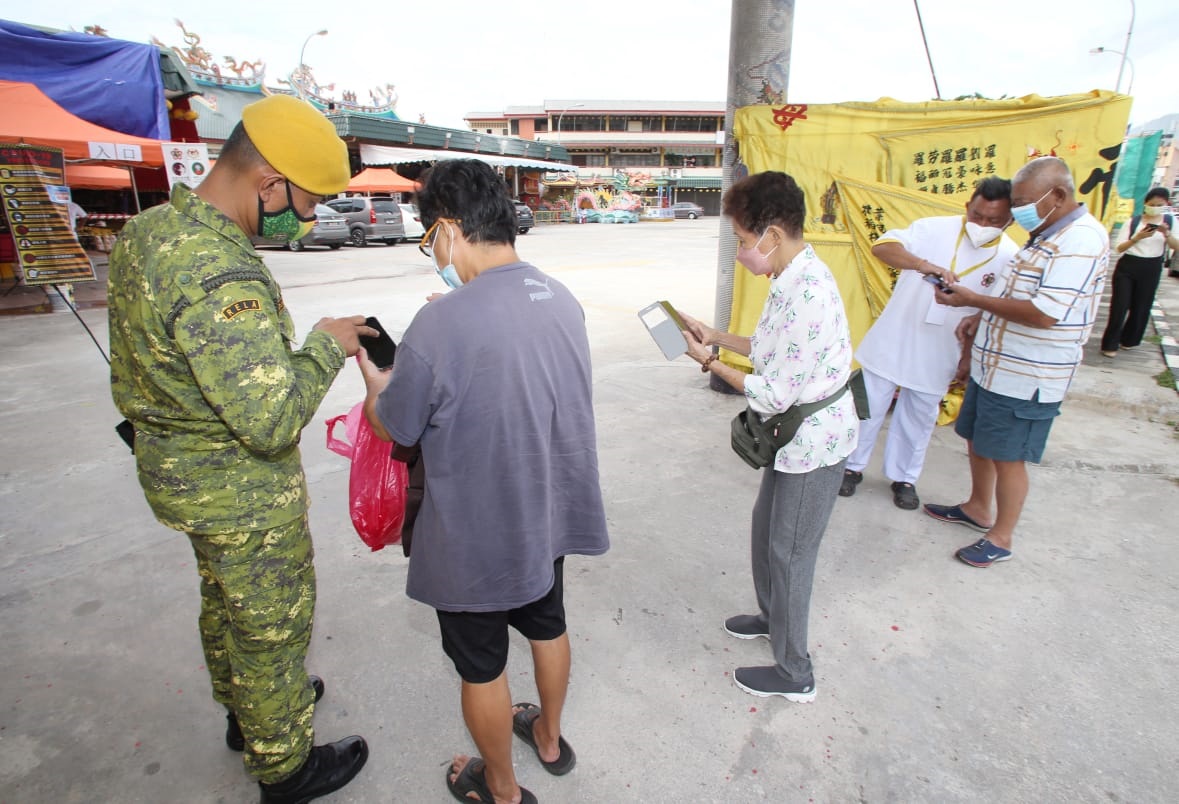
x=904, y=495
x=851, y=479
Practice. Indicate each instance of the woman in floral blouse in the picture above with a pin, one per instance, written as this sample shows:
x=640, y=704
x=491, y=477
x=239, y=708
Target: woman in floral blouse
x=801, y=352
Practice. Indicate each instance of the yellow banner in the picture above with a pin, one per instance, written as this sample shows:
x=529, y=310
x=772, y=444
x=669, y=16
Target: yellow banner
x=870, y=167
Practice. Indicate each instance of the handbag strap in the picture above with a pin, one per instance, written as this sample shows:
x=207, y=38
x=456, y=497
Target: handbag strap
x=808, y=408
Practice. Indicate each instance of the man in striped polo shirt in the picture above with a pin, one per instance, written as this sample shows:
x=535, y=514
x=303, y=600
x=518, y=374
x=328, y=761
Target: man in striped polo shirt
x=1025, y=346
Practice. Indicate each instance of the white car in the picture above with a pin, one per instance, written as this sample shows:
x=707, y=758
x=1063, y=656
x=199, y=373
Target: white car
x=413, y=222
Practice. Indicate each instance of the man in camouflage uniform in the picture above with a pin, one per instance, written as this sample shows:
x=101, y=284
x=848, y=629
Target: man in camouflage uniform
x=202, y=364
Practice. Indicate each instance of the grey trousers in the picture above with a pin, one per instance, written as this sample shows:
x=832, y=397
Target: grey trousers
x=789, y=519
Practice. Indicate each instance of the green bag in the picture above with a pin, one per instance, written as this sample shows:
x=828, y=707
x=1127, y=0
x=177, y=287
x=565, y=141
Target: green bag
x=757, y=442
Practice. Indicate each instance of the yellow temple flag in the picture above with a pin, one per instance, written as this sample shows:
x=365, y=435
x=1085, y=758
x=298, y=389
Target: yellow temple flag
x=869, y=167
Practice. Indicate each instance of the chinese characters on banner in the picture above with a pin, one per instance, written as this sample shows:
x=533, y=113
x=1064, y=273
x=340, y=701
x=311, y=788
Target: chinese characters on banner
x=873, y=221
x=951, y=171
x=36, y=209
x=186, y=162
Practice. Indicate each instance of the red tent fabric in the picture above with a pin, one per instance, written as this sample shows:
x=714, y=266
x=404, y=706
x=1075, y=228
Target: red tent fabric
x=29, y=117
x=381, y=180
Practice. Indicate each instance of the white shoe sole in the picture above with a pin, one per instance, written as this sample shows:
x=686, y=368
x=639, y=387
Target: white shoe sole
x=745, y=636
x=796, y=697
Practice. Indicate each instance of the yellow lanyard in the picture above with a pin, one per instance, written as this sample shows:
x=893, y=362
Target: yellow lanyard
x=972, y=268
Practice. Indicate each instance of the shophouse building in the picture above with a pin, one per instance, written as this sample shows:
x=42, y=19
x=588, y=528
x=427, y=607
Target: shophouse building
x=671, y=150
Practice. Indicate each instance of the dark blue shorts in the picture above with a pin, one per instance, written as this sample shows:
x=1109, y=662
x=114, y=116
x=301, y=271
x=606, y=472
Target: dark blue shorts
x=1002, y=428
x=477, y=641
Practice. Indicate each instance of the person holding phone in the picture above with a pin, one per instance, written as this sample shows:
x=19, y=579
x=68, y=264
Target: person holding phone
x=910, y=351
x=801, y=352
x=205, y=366
x=1024, y=345
x=493, y=382
x=1142, y=248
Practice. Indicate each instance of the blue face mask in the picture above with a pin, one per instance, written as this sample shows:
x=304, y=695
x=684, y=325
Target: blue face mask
x=449, y=273
x=1027, y=216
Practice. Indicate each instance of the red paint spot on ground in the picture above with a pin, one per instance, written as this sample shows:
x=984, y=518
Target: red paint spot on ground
x=755, y=770
x=753, y=709
x=896, y=628
x=137, y=743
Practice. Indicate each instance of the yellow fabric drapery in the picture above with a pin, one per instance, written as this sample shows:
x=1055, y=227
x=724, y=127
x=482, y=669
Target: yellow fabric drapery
x=869, y=167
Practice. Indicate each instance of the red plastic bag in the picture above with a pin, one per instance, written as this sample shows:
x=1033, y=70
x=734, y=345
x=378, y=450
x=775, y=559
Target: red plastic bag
x=377, y=483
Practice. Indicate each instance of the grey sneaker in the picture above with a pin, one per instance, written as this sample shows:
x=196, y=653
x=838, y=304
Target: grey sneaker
x=767, y=681
x=747, y=626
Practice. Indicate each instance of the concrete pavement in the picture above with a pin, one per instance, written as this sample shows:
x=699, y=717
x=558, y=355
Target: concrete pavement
x=1047, y=678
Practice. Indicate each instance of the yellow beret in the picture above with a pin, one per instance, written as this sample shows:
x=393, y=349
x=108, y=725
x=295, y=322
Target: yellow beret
x=299, y=142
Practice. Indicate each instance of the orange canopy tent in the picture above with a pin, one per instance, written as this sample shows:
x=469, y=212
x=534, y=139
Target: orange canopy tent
x=28, y=116
x=381, y=180
x=97, y=177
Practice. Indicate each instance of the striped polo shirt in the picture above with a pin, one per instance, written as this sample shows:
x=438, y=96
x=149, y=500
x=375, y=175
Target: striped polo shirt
x=1062, y=272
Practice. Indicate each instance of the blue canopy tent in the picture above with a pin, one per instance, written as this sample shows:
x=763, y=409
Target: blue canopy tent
x=109, y=82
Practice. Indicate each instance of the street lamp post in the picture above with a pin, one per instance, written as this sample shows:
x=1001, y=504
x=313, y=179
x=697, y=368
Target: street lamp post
x=302, y=50
x=1126, y=51
x=561, y=116
x=1125, y=60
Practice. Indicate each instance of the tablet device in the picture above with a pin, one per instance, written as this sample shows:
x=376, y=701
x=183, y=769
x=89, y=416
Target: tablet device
x=381, y=349
x=665, y=325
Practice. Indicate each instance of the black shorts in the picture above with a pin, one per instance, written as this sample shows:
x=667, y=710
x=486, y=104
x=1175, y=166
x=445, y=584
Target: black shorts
x=477, y=641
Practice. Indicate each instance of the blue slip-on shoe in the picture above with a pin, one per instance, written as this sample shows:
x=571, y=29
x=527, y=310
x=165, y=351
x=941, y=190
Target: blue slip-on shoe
x=982, y=554
x=954, y=513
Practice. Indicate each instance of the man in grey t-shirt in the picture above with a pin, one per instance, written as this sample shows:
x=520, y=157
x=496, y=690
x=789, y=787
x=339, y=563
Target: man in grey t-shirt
x=492, y=380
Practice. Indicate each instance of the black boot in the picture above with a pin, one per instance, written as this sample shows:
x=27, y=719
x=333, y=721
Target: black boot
x=328, y=768
x=233, y=732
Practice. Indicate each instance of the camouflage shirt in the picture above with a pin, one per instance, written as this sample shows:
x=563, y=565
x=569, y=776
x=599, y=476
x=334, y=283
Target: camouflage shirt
x=202, y=365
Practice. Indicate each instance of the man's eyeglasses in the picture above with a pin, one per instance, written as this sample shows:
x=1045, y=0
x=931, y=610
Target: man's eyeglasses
x=426, y=245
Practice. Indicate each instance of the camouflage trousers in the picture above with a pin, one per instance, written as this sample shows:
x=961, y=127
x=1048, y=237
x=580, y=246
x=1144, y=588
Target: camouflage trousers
x=257, y=604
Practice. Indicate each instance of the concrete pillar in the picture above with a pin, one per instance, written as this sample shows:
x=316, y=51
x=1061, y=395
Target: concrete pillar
x=760, y=34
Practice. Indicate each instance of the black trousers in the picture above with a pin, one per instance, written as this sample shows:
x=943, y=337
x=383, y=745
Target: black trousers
x=1135, y=281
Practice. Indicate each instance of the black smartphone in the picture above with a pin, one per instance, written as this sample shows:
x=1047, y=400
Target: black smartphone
x=1152, y=227
x=381, y=349
x=937, y=282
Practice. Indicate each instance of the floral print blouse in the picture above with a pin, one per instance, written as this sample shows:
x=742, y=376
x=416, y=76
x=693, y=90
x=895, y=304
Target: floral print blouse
x=801, y=352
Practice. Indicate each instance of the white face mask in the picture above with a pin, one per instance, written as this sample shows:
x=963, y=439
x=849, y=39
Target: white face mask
x=981, y=235
x=1150, y=211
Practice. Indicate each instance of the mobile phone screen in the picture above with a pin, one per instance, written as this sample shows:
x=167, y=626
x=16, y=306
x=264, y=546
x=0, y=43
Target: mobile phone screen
x=381, y=349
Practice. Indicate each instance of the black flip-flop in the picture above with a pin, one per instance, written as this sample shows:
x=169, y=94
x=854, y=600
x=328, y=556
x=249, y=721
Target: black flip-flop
x=472, y=779
x=522, y=725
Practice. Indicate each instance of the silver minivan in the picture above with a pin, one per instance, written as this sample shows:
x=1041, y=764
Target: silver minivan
x=371, y=218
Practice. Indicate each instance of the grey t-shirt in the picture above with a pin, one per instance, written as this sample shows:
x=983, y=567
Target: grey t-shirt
x=493, y=380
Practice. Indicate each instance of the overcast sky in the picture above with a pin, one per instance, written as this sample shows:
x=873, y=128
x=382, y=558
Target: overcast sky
x=451, y=57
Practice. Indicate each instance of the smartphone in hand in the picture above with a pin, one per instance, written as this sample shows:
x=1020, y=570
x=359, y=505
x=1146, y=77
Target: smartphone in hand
x=937, y=282
x=381, y=349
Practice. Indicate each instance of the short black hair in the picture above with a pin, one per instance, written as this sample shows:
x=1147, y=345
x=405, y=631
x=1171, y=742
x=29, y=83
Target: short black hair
x=764, y=199
x=470, y=191
x=239, y=150
x=993, y=188
x=1158, y=192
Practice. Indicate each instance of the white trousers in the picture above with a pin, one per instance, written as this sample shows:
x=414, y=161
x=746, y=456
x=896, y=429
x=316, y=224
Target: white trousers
x=912, y=425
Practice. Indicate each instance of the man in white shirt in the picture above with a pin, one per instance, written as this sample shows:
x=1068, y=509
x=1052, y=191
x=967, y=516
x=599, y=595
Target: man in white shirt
x=1025, y=347
x=75, y=211
x=912, y=347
